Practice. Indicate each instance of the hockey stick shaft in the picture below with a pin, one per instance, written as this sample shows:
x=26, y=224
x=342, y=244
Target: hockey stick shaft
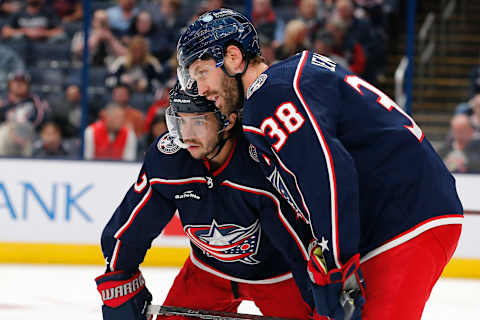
x=155, y=310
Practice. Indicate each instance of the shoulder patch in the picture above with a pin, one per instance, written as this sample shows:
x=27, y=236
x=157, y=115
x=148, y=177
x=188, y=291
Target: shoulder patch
x=253, y=152
x=167, y=145
x=256, y=84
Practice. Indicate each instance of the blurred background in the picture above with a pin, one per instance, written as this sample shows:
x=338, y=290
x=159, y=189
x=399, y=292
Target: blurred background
x=90, y=79
x=84, y=86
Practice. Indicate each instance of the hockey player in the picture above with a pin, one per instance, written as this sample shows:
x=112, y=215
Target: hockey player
x=223, y=200
x=347, y=158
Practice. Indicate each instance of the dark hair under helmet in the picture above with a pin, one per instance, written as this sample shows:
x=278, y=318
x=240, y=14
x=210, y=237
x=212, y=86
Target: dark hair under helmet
x=208, y=36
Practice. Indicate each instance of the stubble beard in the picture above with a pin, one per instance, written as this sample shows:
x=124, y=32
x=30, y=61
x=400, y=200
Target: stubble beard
x=204, y=150
x=230, y=95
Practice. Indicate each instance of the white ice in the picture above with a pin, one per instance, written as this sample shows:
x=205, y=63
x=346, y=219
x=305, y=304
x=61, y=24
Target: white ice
x=52, y=292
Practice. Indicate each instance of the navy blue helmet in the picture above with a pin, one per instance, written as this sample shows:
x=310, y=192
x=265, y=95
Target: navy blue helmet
x=208, y=36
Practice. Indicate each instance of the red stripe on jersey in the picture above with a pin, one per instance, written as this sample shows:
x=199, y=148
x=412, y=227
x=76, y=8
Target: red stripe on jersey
x=225, y=164
x=178, y=181
x=279, y=211
x=328, y=158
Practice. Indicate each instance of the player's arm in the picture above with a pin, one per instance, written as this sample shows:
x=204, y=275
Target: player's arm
x=290, y=236
x=323, y=180
x=128, y=235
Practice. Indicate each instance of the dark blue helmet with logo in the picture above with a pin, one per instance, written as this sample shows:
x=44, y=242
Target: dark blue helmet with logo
x=208, y=36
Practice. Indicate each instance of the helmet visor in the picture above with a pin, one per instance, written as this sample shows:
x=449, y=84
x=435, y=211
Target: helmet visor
x=186, y=126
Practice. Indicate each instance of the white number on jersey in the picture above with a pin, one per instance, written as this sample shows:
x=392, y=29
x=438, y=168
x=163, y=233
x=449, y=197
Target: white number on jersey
x=291, y=119
x=385, y=102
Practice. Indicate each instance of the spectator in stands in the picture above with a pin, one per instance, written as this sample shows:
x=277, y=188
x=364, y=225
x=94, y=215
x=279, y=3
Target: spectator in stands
x=169, y=19
x=373, y=9
x=162, y=101
x=313, y=15
x=21, y=105
x=361, y=31
x=461, y=154
x=352, y=52
x=267, y=22
x=138, y=68
x=67, y=10
x=121, y=15
x=103, y=46
x=34, y=22
x=110, y=138
x=10, y=61
x=143, y=25
x=208, y=5
x=10, y=7
x=68, y=111
x=295, y=40
x=267, y=48
x=475, y=116
x=324, y=44
x=16, y=139
x=51, y=143
x=134, y=118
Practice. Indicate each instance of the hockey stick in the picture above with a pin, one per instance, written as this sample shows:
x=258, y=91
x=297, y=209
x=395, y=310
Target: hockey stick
x=157, y=310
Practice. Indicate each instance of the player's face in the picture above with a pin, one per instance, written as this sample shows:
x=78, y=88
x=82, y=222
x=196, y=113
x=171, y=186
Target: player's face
x=215, y=85
x=200, y=132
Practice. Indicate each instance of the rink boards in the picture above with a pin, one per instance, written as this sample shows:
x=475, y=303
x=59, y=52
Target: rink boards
x=54, y=212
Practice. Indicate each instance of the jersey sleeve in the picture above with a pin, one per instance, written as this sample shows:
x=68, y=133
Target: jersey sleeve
x=306, y=162
x=139, y=219
x=290, y=236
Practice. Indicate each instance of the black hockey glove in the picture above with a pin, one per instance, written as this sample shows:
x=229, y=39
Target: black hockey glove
x=124, y=295
x=338, y=293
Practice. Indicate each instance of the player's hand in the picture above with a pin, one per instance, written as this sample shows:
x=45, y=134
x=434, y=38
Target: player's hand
x=338, y=293
x=124, y=295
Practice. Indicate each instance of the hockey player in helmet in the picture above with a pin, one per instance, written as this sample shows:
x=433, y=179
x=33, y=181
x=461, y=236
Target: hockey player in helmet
x=240, y=249
x=346, y=157
x=198, y=126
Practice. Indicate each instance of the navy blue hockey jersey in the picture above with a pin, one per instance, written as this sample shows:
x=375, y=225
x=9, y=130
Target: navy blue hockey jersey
x=233, y=217
x=346, y=157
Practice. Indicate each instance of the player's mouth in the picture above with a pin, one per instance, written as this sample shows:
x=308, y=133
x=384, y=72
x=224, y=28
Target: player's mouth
x=193, y=146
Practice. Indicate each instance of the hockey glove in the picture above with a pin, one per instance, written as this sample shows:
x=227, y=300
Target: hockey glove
x=124, y=295
x=339, y=293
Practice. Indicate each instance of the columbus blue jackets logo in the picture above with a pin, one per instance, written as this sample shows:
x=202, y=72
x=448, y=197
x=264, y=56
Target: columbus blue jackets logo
x=253, y=153
x=167, y=145
x=227, y=242
x=276, y=180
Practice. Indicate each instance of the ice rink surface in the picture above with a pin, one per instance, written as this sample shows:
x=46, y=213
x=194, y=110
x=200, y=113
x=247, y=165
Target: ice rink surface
x=52, y=292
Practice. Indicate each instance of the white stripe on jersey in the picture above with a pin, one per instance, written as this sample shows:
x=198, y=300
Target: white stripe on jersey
x=326, y=153
x=114, y=257
x=412, y=233
x=253, y=130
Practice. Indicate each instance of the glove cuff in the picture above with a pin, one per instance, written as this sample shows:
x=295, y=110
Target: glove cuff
x=118, y=287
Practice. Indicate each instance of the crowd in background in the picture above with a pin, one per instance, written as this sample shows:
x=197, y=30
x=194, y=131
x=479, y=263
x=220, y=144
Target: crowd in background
x=132, y=64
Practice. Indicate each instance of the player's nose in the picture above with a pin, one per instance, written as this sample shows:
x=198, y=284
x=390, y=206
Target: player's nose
x=202, y=88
